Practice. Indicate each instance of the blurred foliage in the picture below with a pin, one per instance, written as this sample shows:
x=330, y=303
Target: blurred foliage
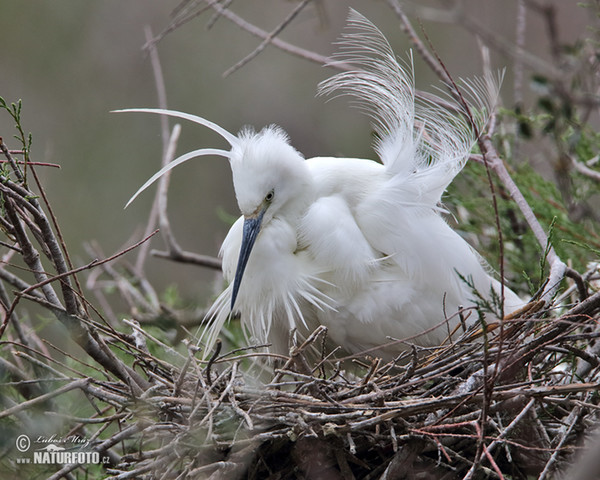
x=559, y=127
x=565, y=213
x=522, y=253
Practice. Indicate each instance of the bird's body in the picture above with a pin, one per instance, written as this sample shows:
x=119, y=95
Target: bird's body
x=369, y=277
x=356, y=245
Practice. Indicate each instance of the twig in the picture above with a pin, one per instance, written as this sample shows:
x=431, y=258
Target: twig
x=584, y=169
x=164, y=127
x=92, y=264
x=557, y=267
x=408, y=29
x=80, y=383
x=566, y=430
x=277, y=42
x=38, y=164
x=266, y=41
x=189, y=257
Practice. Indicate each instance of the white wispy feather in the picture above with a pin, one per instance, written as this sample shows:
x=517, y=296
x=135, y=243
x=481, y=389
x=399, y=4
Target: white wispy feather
x=420, y=140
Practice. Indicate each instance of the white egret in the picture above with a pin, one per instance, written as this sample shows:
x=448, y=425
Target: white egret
x=356, y=245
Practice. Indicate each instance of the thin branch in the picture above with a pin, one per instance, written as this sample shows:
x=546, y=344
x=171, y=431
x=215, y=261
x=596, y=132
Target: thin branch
x=269, y=39
x=80, y=383
x=189, y=257
x=584, y=169
x=164, y=128
x=62, y=276
x=39, y=164
x=264, y=35
x=557, y=267
x=419, y=46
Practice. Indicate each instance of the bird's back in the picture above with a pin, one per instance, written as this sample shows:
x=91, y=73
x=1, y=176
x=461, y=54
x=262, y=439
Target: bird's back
x=390, y=269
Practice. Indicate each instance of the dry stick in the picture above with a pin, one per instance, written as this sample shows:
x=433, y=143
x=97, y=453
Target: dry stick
x=180, y=16
x=487, y=455
x=219, y=401
x=282, y=45
x=173, y=248
x=21, y=162
x=213, y=20
x=55, y=249
x=489, y=381
x=567, y=427
x=164, y=128
x=584, y=169
x=90, y=420
x=409, y=31
x=557, y=267
x=253, y=30
x=11, y=160
x=277, y=42
x=42, y=398
x=30, y=255
x=129, y=292
x=438, y=66
x=88, y=339
x=144, y=334
x=60, y=256
x=296, y=351
x=159, y=206
x=511, y=426
x=502, y=45
x=92, y=264
x=45, y=366
x=286, y=21
x=103, y=447
x=73, y=357
x=190, y=258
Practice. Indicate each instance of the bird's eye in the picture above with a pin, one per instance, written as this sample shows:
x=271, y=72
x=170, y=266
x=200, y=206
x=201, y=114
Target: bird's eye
x=269, y=196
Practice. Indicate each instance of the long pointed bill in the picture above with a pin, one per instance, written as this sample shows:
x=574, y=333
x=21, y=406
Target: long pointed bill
x=250, y=232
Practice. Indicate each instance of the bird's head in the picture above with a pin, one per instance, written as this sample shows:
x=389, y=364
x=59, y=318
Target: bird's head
x=269, y=176
x=270, y=179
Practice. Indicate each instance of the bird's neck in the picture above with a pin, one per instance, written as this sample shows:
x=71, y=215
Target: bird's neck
x=300, y=201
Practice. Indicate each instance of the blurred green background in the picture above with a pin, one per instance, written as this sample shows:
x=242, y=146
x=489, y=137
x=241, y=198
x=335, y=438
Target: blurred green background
x=73, y=61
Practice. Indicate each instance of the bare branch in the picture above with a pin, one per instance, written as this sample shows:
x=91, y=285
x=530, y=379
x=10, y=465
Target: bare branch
x=270, y=37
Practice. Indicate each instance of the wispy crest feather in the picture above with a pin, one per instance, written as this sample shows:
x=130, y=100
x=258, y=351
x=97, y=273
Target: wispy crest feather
x=231, y=139
x=416, y=137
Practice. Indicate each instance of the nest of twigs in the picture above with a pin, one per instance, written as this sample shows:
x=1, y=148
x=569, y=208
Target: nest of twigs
x=514, y=404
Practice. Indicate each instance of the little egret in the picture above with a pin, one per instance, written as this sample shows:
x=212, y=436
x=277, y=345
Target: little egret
x=358, y=246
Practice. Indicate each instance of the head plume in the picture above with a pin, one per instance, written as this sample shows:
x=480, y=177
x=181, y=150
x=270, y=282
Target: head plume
x=231, y=139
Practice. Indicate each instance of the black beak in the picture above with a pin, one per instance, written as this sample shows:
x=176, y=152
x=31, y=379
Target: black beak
x=250, y=232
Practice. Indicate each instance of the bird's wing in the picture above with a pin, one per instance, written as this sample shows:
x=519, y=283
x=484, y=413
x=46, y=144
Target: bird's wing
x=419, y=140
x=336, y=244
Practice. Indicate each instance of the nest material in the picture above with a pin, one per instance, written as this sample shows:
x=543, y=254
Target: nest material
x=515, y=405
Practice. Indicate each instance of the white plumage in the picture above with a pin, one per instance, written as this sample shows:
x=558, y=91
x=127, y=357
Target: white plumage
x=356, y=245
